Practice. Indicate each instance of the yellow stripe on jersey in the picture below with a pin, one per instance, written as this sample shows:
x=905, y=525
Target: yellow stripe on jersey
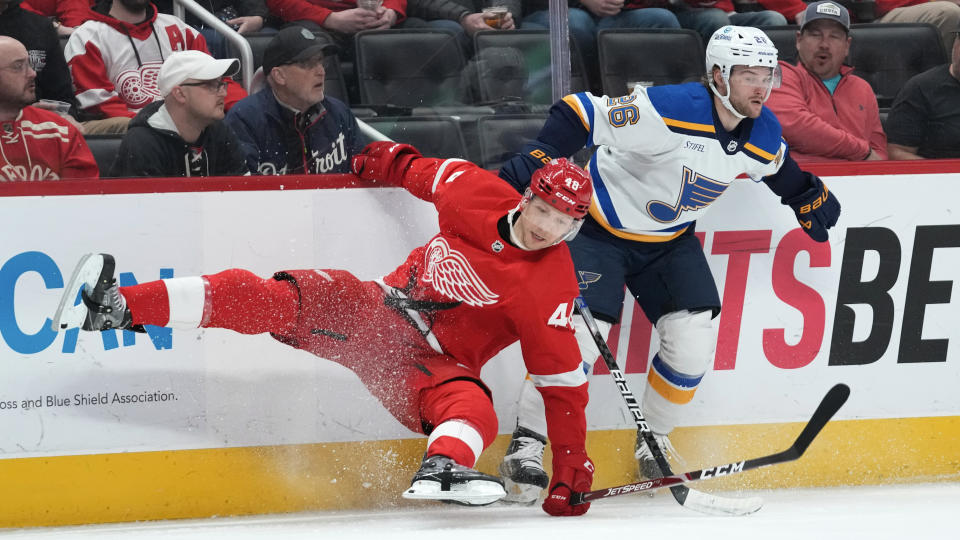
x=759, y=151
x=571, y=101
x=707, y=128
x=671, y=393
x=597, y=215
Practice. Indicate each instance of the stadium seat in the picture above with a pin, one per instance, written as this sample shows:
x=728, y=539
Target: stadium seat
x=503, y=135
x=104, y=149
x=784, y=38
x=408, y=67
x=648, y=55
x=534, y=81
x=334, y=82
x=887, y=55
x=434, y=136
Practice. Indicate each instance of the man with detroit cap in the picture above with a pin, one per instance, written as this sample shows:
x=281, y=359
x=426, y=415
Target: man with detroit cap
x=291, y=126
x=827, y=113
x=184, y=135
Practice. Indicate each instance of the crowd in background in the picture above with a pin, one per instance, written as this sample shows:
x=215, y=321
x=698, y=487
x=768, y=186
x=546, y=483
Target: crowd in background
x=108, y=78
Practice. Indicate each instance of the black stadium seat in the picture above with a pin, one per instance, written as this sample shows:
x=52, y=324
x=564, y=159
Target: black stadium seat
x=104, y=149
x=434, y=136
x=408, y=67
x=503, y=135
x=784, y=38
x=887, y=55
x=533, y=47
x=648, y=55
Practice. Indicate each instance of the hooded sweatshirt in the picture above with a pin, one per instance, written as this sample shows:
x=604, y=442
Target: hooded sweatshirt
x=40, y=39
x=115, y=65
x=152, y=146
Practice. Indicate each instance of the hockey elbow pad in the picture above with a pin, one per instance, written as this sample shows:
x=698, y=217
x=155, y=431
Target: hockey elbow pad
x=817, y=209
x=384, y=161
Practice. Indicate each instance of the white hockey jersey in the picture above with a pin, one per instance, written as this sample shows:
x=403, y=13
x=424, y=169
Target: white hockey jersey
x=661, y=163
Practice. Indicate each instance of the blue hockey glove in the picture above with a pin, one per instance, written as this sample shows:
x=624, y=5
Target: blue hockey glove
x=817, y=210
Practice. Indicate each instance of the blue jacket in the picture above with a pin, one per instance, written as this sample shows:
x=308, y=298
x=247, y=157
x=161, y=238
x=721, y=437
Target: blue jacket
x=275, y=140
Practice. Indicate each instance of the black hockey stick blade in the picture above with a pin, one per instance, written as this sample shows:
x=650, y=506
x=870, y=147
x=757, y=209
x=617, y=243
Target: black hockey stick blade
x=828, y=407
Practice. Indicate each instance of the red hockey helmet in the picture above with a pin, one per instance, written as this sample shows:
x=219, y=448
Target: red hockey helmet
x=563, y=186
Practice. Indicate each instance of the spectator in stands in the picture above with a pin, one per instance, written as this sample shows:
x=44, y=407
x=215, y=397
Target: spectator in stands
x=340, y=20
x=464, y=18
x=707, y=16
x=244, y=16
x=115, y=58
x=944, y=14
x=291, y=126
x=924, y=122
x=37, y=34
x=66, y=14
x=35, y=144
x=825, y=111
x=184, y=135
x=587, y=17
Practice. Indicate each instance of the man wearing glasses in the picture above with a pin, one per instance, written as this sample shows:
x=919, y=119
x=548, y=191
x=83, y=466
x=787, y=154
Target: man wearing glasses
x=291, y=127
x=183, y=135
x=35, y=144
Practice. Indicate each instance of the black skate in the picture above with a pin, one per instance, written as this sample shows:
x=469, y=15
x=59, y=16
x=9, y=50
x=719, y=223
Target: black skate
x=442, y=479
x=647, y=467
x=102, y=306
x=522, y=467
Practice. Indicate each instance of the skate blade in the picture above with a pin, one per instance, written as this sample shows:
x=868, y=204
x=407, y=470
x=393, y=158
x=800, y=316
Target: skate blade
x=520, y=494
x=69, y=315
x=471, y=493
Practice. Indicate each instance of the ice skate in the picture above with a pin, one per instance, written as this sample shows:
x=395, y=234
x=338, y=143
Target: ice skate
x=647, y=467
x=102, y=307
x=522, y=467
x=442, y=479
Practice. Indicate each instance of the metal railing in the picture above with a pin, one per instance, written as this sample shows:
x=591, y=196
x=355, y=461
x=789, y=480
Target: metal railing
x=239, y=42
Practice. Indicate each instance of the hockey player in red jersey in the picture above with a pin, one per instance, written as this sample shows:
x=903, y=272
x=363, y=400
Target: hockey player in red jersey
x=497, y=272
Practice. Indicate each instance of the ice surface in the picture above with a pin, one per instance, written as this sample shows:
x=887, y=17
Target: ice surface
x=924, y=511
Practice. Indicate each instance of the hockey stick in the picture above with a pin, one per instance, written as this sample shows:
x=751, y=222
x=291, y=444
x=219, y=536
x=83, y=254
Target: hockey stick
x=830, y=404
x=689, y=498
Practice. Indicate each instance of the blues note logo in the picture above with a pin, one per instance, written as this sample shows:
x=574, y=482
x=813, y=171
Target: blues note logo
x=696, y=192
x=586, y=278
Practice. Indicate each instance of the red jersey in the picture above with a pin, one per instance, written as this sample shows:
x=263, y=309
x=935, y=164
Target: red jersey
x=71, y=13
x=505, y=294
x=115, y=65
x=318, y=10
x=41, y=145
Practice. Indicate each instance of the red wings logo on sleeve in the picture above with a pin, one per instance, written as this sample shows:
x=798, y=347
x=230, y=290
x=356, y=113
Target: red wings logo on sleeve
x=452, y=275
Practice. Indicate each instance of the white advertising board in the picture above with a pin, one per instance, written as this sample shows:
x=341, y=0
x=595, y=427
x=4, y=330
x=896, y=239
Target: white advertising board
x=891, y=262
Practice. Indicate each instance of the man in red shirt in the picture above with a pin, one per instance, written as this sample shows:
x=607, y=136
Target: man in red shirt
x=35, y=144
x=339, y=19
x=826, y=111
x=497, y=272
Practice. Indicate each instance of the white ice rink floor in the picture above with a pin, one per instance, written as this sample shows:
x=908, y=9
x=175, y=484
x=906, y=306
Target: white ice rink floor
x=925, y=511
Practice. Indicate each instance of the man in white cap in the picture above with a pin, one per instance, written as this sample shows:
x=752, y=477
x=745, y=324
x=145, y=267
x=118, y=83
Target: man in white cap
x=184, y=135
x=827, y=112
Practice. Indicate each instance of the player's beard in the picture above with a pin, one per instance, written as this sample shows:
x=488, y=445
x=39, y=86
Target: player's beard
x=135, y=5
x=745, y=107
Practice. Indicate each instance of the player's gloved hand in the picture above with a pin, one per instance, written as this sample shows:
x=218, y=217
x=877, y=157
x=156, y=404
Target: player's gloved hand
x=572, y=472
x=384, y=161
x=817, y=209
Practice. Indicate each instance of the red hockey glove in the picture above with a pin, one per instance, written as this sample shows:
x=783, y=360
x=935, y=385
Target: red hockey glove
x=572, y=472
x=384, y=161
x=817, y=210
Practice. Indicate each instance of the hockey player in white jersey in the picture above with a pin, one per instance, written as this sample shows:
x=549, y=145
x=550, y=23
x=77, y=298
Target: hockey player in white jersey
x=665, y=154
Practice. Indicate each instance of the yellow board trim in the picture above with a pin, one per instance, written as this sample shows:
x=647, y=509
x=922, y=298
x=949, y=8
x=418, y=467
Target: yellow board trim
x=671, y=393
x=234, y=481
x=599, y=218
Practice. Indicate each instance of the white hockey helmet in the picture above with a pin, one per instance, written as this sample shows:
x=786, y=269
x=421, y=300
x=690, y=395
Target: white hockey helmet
x=740, y=46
